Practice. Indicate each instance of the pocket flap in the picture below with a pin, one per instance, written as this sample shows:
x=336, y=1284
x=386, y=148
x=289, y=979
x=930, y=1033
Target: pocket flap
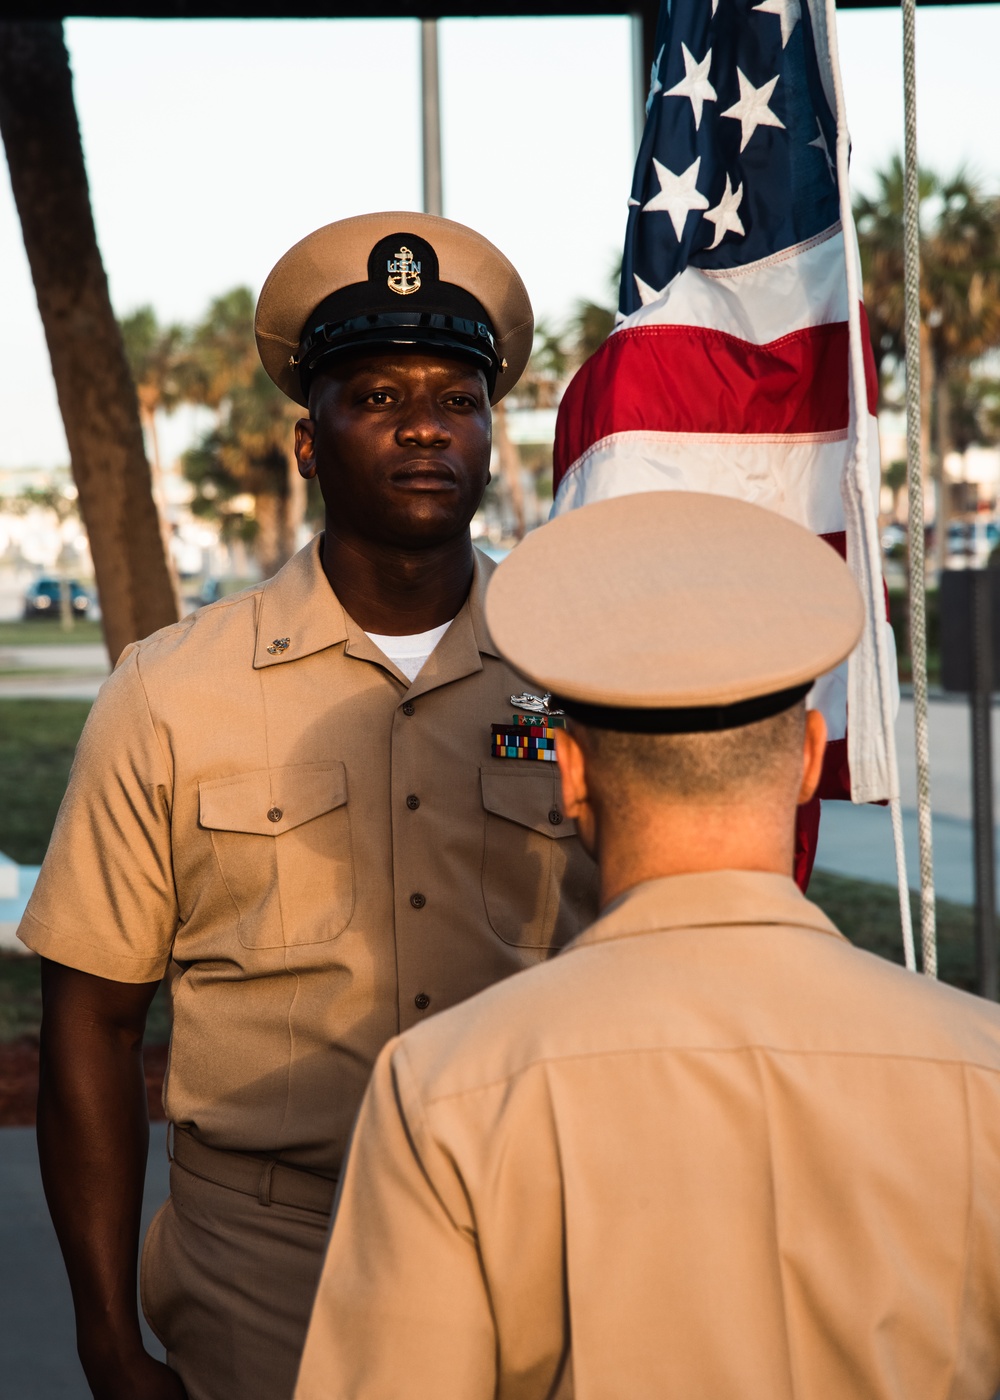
x=272, y=800
x=530, y=799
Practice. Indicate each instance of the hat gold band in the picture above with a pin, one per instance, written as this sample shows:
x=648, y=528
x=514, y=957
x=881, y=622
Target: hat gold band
x=698, y=719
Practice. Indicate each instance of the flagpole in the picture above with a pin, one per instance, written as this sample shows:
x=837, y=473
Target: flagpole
x=915, y=491
x=639, y=76
x=430, y=98
x=865, y=521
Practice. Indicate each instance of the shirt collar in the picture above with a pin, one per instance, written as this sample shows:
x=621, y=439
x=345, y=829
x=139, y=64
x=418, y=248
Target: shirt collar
x=299, y=614
x=708, y=899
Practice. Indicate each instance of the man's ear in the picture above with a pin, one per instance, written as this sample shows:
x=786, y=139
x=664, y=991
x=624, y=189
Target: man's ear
x=305, y=447
x=575, y=792
x=572, y=772
x=813, y=750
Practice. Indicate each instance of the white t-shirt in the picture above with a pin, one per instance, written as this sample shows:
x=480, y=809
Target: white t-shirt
x=409, y=653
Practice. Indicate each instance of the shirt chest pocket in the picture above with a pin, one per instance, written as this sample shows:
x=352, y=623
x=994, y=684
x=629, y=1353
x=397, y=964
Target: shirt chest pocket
x=539, y=885
x=282, y=838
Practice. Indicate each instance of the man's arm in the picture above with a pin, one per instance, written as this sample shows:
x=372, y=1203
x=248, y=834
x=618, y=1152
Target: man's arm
x=93, y=1136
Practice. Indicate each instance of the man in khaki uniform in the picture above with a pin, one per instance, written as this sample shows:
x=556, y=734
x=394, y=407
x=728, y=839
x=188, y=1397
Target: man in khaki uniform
x=291, y=800
x=712, y=1150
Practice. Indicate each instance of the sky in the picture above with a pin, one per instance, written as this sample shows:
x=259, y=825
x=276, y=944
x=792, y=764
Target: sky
x=212, y=146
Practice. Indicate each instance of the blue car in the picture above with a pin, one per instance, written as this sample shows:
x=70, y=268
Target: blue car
x=42, y=598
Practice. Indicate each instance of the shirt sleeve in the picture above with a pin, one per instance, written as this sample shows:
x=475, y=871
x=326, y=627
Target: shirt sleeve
x=105, y=901
x=402, y=1307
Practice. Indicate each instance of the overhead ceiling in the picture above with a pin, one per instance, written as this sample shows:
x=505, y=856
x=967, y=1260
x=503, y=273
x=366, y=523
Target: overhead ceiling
x=645, y=11
x=388, y=9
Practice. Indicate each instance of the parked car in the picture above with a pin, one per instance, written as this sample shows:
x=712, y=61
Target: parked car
x=971, y=542
x=42, y=598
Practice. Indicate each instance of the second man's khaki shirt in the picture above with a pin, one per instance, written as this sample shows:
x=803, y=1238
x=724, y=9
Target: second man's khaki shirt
x=322, y=852
x=710, y=1152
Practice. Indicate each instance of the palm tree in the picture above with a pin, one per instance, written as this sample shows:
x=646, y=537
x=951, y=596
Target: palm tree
x=153, y=353
x=963, y=282
x=96, y=396
x=248, y=453
x=959, y=293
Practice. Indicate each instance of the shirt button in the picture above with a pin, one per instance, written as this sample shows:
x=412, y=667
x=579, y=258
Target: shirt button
x=275, y=814
x=555, y=817
x=421, y=1001
x=418, y=900
x=409, y=708
x=413, y=802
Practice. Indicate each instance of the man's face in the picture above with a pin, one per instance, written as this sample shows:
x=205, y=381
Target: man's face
x=400, y=445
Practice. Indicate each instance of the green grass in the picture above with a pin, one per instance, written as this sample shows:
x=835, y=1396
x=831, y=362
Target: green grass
x=868, y=914
x=20, y=997
x=898, y=609
x=27, y=634
x=21, y=1002
x=37, y=741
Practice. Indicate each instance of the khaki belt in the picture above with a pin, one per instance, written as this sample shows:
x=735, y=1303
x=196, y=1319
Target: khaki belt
x=271, y=1181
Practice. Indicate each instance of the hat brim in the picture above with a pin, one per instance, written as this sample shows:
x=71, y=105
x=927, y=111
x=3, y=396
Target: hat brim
x=672, y=600
x=336, y=256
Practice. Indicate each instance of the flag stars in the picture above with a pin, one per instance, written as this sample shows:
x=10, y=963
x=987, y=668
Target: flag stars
x=655, y=85
x=725, y=216
x=648, y=294
x=678, y=195
x=752, y=110
x=820, y=144
x=694, y=85
x=789, y=12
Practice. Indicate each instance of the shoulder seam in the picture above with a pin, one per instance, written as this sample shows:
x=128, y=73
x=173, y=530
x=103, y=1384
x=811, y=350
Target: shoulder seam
x=543, y=1061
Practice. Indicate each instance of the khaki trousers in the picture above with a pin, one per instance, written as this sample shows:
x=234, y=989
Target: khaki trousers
x=227, y=1285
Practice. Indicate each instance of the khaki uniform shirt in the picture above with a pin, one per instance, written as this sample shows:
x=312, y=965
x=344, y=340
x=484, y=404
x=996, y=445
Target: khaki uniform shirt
x=325, y=853
x=711, y=1151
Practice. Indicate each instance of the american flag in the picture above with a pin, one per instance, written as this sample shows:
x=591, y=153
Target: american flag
x=730, y=368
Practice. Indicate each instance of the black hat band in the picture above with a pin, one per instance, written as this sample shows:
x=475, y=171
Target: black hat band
x=466, y=338
x=402, y=304
x=697, y=719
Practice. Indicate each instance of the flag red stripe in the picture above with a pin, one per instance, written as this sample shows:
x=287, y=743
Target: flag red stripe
x=684, y=379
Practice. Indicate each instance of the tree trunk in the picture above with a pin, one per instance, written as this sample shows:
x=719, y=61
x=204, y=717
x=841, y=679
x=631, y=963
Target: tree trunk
x=147, y=417
x=96, y=395
x=270, y=512
x=65, y=598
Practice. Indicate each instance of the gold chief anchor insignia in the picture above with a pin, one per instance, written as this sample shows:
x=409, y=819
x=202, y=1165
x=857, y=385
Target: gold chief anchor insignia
x=404, y=273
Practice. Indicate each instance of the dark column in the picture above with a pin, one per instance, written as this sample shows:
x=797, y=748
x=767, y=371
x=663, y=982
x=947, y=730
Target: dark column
x=980, y=702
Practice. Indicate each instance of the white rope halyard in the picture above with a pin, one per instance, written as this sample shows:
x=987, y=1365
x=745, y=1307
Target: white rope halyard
x=915, y=491
x=863, y=547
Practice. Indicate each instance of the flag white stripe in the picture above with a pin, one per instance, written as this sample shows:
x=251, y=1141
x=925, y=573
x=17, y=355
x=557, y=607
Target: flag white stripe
x=760, y=302
x=797, y=476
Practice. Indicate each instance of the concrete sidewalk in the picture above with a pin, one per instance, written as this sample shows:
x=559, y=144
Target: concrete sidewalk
x=858, y=840
x=37, y=1343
